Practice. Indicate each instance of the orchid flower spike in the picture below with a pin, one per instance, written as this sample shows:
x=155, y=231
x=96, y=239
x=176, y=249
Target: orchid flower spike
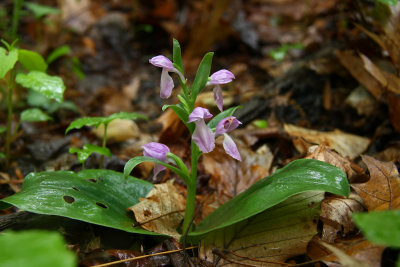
x=157, y=151
x=217, y=78
x=166, y=84
x=225, y=126
x=203, y=136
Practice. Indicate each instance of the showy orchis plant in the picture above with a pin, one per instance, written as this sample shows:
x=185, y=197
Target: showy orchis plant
x=203, y=133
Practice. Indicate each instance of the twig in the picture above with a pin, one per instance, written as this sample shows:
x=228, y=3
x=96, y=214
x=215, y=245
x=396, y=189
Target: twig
x=142, y=257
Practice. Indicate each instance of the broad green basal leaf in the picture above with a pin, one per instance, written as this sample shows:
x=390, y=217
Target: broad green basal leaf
x=7, y=61
x=34, y=115
x=95, y=196
x=31, y=60
x=276, y=234
x=35, y=248
x=50, y=86
x=297, y=177
x=381, y=227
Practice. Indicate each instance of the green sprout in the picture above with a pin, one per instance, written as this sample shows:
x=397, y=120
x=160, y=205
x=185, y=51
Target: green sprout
x=87, y=150
x=97, y=121
x=34, y=78
x=280, y=53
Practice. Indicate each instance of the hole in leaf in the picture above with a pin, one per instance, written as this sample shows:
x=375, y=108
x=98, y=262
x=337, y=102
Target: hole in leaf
x=76, y=189
x=101, y=179
x=101, y=205
x=92, y=180
x=68, y=199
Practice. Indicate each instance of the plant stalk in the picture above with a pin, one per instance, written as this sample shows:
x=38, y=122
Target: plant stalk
x=191, y=189
x=103, y=145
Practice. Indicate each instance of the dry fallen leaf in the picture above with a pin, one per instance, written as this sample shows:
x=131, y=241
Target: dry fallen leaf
x=324, y=153
x=344, y=259
x=383, y=186
x=336, y=216
x=231, y=177
x=356, y=247
x=118, y=130
x=356, y=68
x=348, y=145
x=162, y=210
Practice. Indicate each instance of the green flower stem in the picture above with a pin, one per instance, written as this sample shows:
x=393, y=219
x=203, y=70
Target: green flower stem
x=191, y=189
x=103, y=145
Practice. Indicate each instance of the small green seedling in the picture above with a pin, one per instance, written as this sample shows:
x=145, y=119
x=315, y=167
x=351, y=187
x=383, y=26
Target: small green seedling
x=260, y=123
x=87, y=150
x=97, y=121
x=74, y=63
x=280, y=53
x=39, y=12
x=34, y=78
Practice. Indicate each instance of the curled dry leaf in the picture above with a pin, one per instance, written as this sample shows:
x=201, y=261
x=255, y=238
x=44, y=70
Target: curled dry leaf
x=324, y=153
x=347, y=145
x=336, y=216
x=172, y=129
x=162, y=210
x=118, y=130
x=356, y=68
x=382, y=188
x=231, y=177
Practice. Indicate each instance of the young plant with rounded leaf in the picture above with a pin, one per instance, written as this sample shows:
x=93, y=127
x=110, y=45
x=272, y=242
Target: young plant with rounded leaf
x=96, y=122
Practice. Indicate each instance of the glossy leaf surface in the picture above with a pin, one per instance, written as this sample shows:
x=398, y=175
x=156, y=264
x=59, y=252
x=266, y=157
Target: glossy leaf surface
x=95, y=196
x=50, y=86
x=298, y=176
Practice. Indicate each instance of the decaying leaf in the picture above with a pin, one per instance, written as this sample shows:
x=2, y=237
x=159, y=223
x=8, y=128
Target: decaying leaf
x=162, y=210
x=386, y=79
x=356, y=68
x=324, y=153
x=277, y=234
x=383, y=186
x=173, y=128
x=336, y=216
x=118, y=130
x=231, y=177
x=344, y=259
x=347, y=145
